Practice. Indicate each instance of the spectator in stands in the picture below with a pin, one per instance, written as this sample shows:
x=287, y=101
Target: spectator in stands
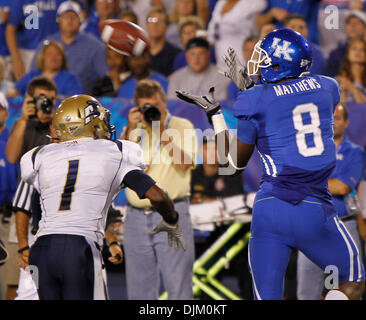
x=142, y=8
x=118, y=73
x=162, y=52
x=5, y=84
x=267, y=28
x=51, y=63
x=277, y=11
x=355, y=28
x=248, y=47
x=4, y=51
x=200, y=75
x=185, y=8
x=129, y=15
x=232, y=22
x=85, y=53
x=332, y=23
x=298, y=23
x=33, y=126
x=352, y=76
x=343, y=180
x=27, y=28
x=190, y=27
x=141, y=69
x=105, y=9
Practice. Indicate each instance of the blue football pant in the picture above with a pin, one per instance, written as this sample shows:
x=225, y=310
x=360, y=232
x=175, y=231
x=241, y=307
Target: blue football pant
x=279, y=226
x=310, y=278
x=67, y=266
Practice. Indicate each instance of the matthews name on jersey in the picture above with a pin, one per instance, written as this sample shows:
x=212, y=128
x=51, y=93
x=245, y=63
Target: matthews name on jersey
x=290, y=123
x=69, y=181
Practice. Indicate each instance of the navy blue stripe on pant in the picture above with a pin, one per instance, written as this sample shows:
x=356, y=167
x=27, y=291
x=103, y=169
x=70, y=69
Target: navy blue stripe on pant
x=65, y=267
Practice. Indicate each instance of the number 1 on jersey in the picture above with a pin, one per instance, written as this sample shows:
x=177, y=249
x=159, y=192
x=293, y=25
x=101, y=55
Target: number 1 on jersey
x=72, y=173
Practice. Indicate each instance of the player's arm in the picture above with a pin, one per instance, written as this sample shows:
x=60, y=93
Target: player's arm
x=146, y=187
x=21, y=226
x=232, y=155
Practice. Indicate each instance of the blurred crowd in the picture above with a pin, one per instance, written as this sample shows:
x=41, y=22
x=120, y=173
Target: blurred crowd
x=61, y=40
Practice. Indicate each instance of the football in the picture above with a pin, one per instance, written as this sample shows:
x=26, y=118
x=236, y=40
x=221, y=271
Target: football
x=124, y=37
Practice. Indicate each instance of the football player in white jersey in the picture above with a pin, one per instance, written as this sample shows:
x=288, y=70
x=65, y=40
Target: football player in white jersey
x=77, y=179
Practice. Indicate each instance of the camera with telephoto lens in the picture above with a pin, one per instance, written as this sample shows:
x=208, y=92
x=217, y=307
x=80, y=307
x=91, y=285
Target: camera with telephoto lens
x=150, y=113
x=42, y=102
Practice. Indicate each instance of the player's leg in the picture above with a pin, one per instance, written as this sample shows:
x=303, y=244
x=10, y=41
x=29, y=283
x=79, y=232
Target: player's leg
x=142, y=274
x=268, y=260
x=269, y=249
x=326, y=241
x=82, y=268
x=176, y=265
x=352, y=227
x=310, y=279
x=47, y=264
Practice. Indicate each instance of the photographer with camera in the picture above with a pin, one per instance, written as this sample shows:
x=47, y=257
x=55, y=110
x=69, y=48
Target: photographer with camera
x=169, y=159
x=32, y=129
x=33, y=126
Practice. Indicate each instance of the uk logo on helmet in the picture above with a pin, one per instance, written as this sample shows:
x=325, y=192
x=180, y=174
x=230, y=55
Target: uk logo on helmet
x=282, y=50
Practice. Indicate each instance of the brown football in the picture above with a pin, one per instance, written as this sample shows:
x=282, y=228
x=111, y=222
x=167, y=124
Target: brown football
x=124, y=37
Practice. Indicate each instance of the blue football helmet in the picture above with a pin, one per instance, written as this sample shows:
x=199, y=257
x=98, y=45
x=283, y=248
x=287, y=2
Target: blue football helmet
x=282, y=54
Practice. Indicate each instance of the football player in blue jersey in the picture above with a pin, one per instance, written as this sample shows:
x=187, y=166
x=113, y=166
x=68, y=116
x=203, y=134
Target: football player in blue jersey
x=288, y=116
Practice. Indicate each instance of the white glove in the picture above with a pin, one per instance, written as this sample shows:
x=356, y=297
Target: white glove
x=237, y=72
x=175, y=234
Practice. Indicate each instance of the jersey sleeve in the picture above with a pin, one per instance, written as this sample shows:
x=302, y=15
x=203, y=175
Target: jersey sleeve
x=28, y=166
x=132, y=157
x=352, y=170
x=247, y=132
x=139, y=182
x=246, y=112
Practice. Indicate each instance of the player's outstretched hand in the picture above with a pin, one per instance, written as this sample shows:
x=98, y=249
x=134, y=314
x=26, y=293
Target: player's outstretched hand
x=207, y=103
x=237, y=72
x=175, y=234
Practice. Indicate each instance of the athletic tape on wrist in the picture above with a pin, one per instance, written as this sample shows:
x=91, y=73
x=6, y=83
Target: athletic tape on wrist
x=219, y=123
